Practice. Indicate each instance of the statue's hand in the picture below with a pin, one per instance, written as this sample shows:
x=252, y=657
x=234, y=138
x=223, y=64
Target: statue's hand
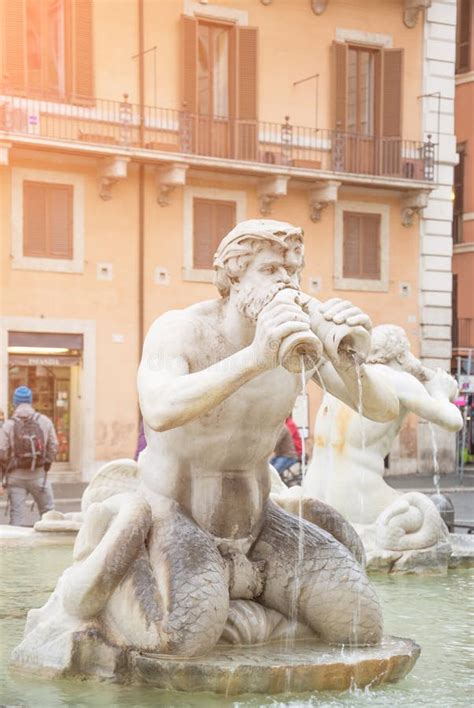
x=442, y=384
x=280, y=318
x=344, y=312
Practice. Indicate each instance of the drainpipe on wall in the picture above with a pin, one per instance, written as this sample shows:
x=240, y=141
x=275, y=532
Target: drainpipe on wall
x=141, y=186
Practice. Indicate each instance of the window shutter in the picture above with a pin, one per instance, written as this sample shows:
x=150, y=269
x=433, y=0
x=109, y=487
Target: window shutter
x=351, y=246
x=34, y=220
x=189, y=39
x=15, y=45
x=247, y=73
x=59, y=216
x=340, y=85
x=212, y=220
x=392, y=76
x=464, y=29
x=370, y=242
x=83, y=79
x=47, y=220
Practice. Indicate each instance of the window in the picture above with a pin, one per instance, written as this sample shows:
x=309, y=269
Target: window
x=368, y=90
x=360, y=90
x=458, y=187
x=212, y=220
x=209, y=213
x=48, y=49
x=220, y=87
x=47, y=220
x=361, y=246
x=463, y=36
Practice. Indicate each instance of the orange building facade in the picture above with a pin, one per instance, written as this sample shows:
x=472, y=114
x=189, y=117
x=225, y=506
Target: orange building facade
x=134, y=134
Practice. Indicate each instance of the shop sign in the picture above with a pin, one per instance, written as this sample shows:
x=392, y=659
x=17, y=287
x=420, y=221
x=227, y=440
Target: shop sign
x=25, y=360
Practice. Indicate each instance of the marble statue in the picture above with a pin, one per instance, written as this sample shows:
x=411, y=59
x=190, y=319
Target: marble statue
x=159, y=566
x=347, y=467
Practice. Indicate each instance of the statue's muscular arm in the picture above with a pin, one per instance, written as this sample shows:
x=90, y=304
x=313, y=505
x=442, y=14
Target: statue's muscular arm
x=171, y=396
x=431, y=401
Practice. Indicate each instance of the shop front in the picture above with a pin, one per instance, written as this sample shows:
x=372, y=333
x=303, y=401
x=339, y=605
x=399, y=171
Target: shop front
x=50, y=364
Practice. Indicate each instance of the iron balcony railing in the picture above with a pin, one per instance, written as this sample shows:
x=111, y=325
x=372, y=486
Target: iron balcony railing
x=463, y=333
x=121, y=123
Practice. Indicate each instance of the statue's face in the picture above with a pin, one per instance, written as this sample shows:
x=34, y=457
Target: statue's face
x=271, y=270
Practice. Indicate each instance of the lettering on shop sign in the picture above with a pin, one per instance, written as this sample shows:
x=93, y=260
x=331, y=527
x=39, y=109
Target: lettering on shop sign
x=20, y=360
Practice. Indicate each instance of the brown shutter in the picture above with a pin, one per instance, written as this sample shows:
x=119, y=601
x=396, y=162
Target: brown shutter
x=34, y=220
x=47, y=220
x=82, y=73
x=189, y=80
x=340, y=85
x=212, y=220
x=392, y=77
x=351, y=246
x=15, y=45
x=463, y=38
x=59, y=214
x=247, y=73
x=370, y=245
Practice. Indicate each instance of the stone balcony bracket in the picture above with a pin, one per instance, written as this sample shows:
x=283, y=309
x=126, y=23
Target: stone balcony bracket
x=412, y=203
x=166, y=179
x=320, y=196
x=111, y=170
x=4, y=152
x=412, y=9
x=270, y=189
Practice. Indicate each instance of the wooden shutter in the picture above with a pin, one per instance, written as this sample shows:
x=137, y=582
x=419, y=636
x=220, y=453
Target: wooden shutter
x=463, y=38
x=212, y=220
x=15, y=46
x=34, y=220
x=47, y=220
x=392, y=77
x=370, y=246
x=361, y=246
x=247, y=73
x=82, y=55
x=189, y=80
x=340, y=50
x=351, y=246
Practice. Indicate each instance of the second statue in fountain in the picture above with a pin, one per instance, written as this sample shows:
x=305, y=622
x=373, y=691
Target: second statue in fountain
x=164, y=569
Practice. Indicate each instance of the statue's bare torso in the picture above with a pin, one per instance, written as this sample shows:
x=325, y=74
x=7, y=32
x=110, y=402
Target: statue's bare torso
x=216, y=466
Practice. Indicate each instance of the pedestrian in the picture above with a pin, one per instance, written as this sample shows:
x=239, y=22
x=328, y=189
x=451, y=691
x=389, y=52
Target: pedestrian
x=28, y=446
x=284, y=455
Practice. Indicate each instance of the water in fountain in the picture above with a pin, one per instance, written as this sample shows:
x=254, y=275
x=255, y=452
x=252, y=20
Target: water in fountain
x=434, y=447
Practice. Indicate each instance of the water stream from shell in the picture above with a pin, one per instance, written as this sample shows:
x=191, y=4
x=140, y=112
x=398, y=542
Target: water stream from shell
x=434, y=446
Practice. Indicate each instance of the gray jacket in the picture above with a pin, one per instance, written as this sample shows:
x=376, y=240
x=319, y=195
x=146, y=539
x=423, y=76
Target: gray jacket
x=24, y=410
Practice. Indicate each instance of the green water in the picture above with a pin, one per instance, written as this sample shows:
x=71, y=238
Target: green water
x=436, y=612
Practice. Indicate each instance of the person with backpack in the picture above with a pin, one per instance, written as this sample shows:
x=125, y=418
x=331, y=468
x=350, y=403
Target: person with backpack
x=28, y=446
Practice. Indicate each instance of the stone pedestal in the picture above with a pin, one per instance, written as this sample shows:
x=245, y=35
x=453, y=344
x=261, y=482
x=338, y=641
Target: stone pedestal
x=233, y=670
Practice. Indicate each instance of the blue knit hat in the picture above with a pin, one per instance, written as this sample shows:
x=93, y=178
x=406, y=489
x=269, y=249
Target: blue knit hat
x=22, y=394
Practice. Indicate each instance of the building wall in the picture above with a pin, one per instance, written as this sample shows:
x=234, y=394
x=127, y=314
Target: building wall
x=417, y=295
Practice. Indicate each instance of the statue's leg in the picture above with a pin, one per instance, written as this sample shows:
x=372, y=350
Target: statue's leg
x=175, y=598
x=323, y=586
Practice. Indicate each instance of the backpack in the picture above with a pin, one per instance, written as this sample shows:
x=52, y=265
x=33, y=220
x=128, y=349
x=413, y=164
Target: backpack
x=28, y=443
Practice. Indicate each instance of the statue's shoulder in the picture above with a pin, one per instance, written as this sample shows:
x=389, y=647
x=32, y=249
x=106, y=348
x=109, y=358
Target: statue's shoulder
x=185, y=322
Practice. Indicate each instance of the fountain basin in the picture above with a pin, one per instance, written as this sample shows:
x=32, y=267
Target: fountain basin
x=273, y=668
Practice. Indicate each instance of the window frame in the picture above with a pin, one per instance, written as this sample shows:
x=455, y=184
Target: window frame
x=205, y=275
x=367, y=284
x=58, y=265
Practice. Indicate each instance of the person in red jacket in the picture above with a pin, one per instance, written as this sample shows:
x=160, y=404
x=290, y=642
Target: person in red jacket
x=291, y=425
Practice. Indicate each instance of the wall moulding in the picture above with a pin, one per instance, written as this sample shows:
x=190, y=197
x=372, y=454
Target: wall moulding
x=111, y=170
x=167, y=179
x=411, y=11
x=321, y=196
x=412, y=204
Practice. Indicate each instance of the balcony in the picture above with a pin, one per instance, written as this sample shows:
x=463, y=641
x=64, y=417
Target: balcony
x=463, y=333
x=169, y=135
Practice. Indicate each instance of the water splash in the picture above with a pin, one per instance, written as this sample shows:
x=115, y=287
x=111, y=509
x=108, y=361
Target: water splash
x=434, y=446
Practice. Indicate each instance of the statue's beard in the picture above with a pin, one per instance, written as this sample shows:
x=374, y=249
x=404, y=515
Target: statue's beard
x=252, y=299
x=414, y=367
